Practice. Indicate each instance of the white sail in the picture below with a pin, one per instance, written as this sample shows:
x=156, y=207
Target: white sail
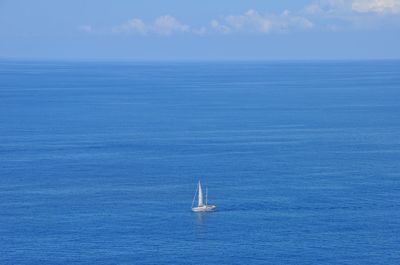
x=201, y=202
x=201, y=206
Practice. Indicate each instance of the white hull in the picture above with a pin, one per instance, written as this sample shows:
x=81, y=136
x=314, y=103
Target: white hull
x=204, y=208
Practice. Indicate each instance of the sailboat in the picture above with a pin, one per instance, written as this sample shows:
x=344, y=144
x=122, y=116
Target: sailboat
x=201, y=206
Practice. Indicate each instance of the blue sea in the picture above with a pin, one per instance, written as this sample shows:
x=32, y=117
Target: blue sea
x=99, y=162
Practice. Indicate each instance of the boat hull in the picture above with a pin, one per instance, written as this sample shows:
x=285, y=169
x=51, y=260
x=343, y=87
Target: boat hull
x=205, y=208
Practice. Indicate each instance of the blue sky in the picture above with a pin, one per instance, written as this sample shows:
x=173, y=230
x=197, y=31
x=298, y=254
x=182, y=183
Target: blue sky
x=202, y=29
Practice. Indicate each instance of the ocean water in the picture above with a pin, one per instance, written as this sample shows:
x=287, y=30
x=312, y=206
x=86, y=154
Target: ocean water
x=99, y=162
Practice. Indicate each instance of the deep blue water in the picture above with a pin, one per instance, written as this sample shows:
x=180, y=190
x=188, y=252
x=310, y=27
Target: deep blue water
x=99, y=162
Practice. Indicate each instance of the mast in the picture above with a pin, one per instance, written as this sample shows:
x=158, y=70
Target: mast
x=201, y=202
x=206, y=195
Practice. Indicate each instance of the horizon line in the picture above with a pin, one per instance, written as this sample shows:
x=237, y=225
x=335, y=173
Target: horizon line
x=182, y=60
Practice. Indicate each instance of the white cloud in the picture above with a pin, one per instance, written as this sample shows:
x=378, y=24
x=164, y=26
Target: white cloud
x=86, y=28
x=250, y=21
x=340, y=15
x=167, y=25
x=215, y=25
x=357, y=6
x=376, y=6
x=254, y=22
x=200, y=31
x=135, y=25
x=164, y=25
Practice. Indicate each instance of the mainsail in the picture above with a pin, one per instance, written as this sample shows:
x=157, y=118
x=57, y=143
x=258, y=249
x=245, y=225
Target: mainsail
x=201, y=202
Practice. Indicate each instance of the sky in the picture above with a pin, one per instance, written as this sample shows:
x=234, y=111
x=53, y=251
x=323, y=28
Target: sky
x=200, y=29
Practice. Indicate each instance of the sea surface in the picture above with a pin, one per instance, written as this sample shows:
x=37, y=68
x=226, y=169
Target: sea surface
x=99, y=162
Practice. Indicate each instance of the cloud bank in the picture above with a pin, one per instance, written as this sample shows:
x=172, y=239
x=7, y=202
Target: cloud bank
x=318, y=15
